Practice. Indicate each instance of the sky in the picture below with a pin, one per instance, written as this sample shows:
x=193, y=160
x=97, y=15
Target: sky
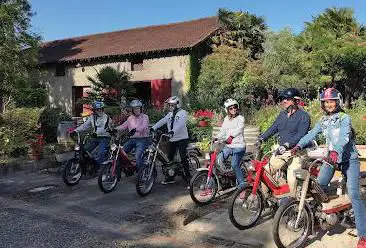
x=70, y=18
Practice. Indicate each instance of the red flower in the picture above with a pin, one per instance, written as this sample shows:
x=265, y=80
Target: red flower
x=203, y=114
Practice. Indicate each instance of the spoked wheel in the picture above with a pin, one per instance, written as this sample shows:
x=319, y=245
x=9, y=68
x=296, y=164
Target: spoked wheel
x=72, y=172
x=107, y=180
x=145, y=182
x=201, y=191
x=194, y=163
x=245, y=208
x=285, y=231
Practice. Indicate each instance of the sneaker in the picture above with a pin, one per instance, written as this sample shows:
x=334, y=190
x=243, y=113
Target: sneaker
x=168, y=181
x=361, y=243
x=206, y=192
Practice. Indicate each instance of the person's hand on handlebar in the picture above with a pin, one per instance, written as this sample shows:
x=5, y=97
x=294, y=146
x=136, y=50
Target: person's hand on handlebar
x=170, y=134
x=132, y=132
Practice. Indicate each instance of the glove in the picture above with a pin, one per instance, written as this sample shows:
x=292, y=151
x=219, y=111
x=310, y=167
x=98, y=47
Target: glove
x=152, y=130
x=295, y=150
x=229, y=140
x=94, y=135
x=258, y=143
x=132, y=132
x=113, y=131
x=332, y=157
x=73, y=134
x=281, y=150
x=171, y=134
x=214, y=140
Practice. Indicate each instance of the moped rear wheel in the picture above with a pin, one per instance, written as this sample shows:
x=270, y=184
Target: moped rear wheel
x=245, y=208
x=203, y=193
x=107, y=182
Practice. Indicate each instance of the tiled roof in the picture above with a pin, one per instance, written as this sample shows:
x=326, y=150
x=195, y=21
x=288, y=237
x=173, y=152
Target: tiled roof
x=138, y=40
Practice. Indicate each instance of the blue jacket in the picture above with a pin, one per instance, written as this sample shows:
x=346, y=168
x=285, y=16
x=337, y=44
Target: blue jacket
x=337, y=130
x=290, y=128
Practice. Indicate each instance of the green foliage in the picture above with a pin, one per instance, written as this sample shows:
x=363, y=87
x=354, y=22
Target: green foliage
x=49, y=120
x=16, y=127
x=155, y=115
x=112, y=86
x=19, y=48
x=241, y=30
x=221, y=75
x=31, y=97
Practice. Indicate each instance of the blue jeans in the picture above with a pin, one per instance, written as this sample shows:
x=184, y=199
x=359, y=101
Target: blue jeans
x=351, y=171
x=103, y=143
x=237, y=154
x=140, y=144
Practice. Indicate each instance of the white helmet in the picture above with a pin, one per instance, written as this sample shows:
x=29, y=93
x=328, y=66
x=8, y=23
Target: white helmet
x=230, y=102
x=174, y=100
x=135, y=104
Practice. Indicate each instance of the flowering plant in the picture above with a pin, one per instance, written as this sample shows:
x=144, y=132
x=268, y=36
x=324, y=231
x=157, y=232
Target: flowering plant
x=36, y=143
x=203, y=115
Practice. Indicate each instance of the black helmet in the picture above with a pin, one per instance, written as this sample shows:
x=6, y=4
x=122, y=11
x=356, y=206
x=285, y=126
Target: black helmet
x=290, y=93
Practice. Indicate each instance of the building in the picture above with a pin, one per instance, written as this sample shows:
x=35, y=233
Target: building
x=159, y=59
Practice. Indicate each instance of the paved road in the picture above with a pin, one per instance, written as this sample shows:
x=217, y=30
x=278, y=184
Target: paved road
x=82, y=216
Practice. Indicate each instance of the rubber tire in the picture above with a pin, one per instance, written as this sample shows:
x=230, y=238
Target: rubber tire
x=231, y=209
x=277, y=219
x=153, y=175
x=200, y=203
x=67, y=168
x=100, y=177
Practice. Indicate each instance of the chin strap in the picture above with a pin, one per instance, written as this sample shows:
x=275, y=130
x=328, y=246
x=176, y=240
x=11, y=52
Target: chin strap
x=289, y=109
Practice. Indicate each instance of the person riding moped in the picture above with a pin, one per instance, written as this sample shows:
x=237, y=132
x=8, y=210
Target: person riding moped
x=342, y=154
x=232, y=132
x=101, y=125
x=176, y=121
x=138, y=126
x=291, y=125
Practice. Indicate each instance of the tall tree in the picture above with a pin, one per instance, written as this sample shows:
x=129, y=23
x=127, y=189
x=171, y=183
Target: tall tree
x=241, y=30
x=18, y=47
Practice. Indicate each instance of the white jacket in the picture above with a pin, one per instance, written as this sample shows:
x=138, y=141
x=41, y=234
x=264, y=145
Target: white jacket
x=234, y=128
x=100, y=125
x=179, y=125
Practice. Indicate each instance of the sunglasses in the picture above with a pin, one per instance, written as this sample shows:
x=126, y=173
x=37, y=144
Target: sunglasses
x=233, y=107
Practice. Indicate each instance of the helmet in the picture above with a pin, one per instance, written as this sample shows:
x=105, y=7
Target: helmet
x=290, y=93
x=230, y=102
x=98, y=105
x=174, y=100
x=331, y=94
x=135, y=104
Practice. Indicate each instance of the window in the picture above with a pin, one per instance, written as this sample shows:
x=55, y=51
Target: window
x=60, y=70
x=137, y=65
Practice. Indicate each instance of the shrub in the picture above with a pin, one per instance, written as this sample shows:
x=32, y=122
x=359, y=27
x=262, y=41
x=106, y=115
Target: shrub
x=31, y=97
x=49, y=120
x=17, y=126
x=155, y=115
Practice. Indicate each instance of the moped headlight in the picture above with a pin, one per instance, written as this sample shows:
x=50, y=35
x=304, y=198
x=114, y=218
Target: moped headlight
x=113, y=147
x=77, y=147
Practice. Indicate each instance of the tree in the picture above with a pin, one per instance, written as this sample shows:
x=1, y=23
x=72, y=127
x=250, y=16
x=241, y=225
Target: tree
x=18, y=49
x=241, y=30
x=221, y=75
x=111, y=86
x=326, y=39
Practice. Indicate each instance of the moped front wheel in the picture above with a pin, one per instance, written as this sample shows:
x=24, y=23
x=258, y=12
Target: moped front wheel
x=107, y=180
x=245, y=208
x=145, y=183
x=288, y=233
x=72, y=173
x=201, y=190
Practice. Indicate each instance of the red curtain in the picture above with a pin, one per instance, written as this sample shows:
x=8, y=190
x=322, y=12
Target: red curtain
x=160, y=90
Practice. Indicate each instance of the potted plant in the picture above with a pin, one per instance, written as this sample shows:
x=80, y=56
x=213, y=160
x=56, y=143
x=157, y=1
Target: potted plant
x=203, y=117
x=36, y=145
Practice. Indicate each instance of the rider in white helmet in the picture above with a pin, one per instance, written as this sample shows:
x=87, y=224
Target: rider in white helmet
x=176, y=121
x=232, y=131
x=138, y=126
